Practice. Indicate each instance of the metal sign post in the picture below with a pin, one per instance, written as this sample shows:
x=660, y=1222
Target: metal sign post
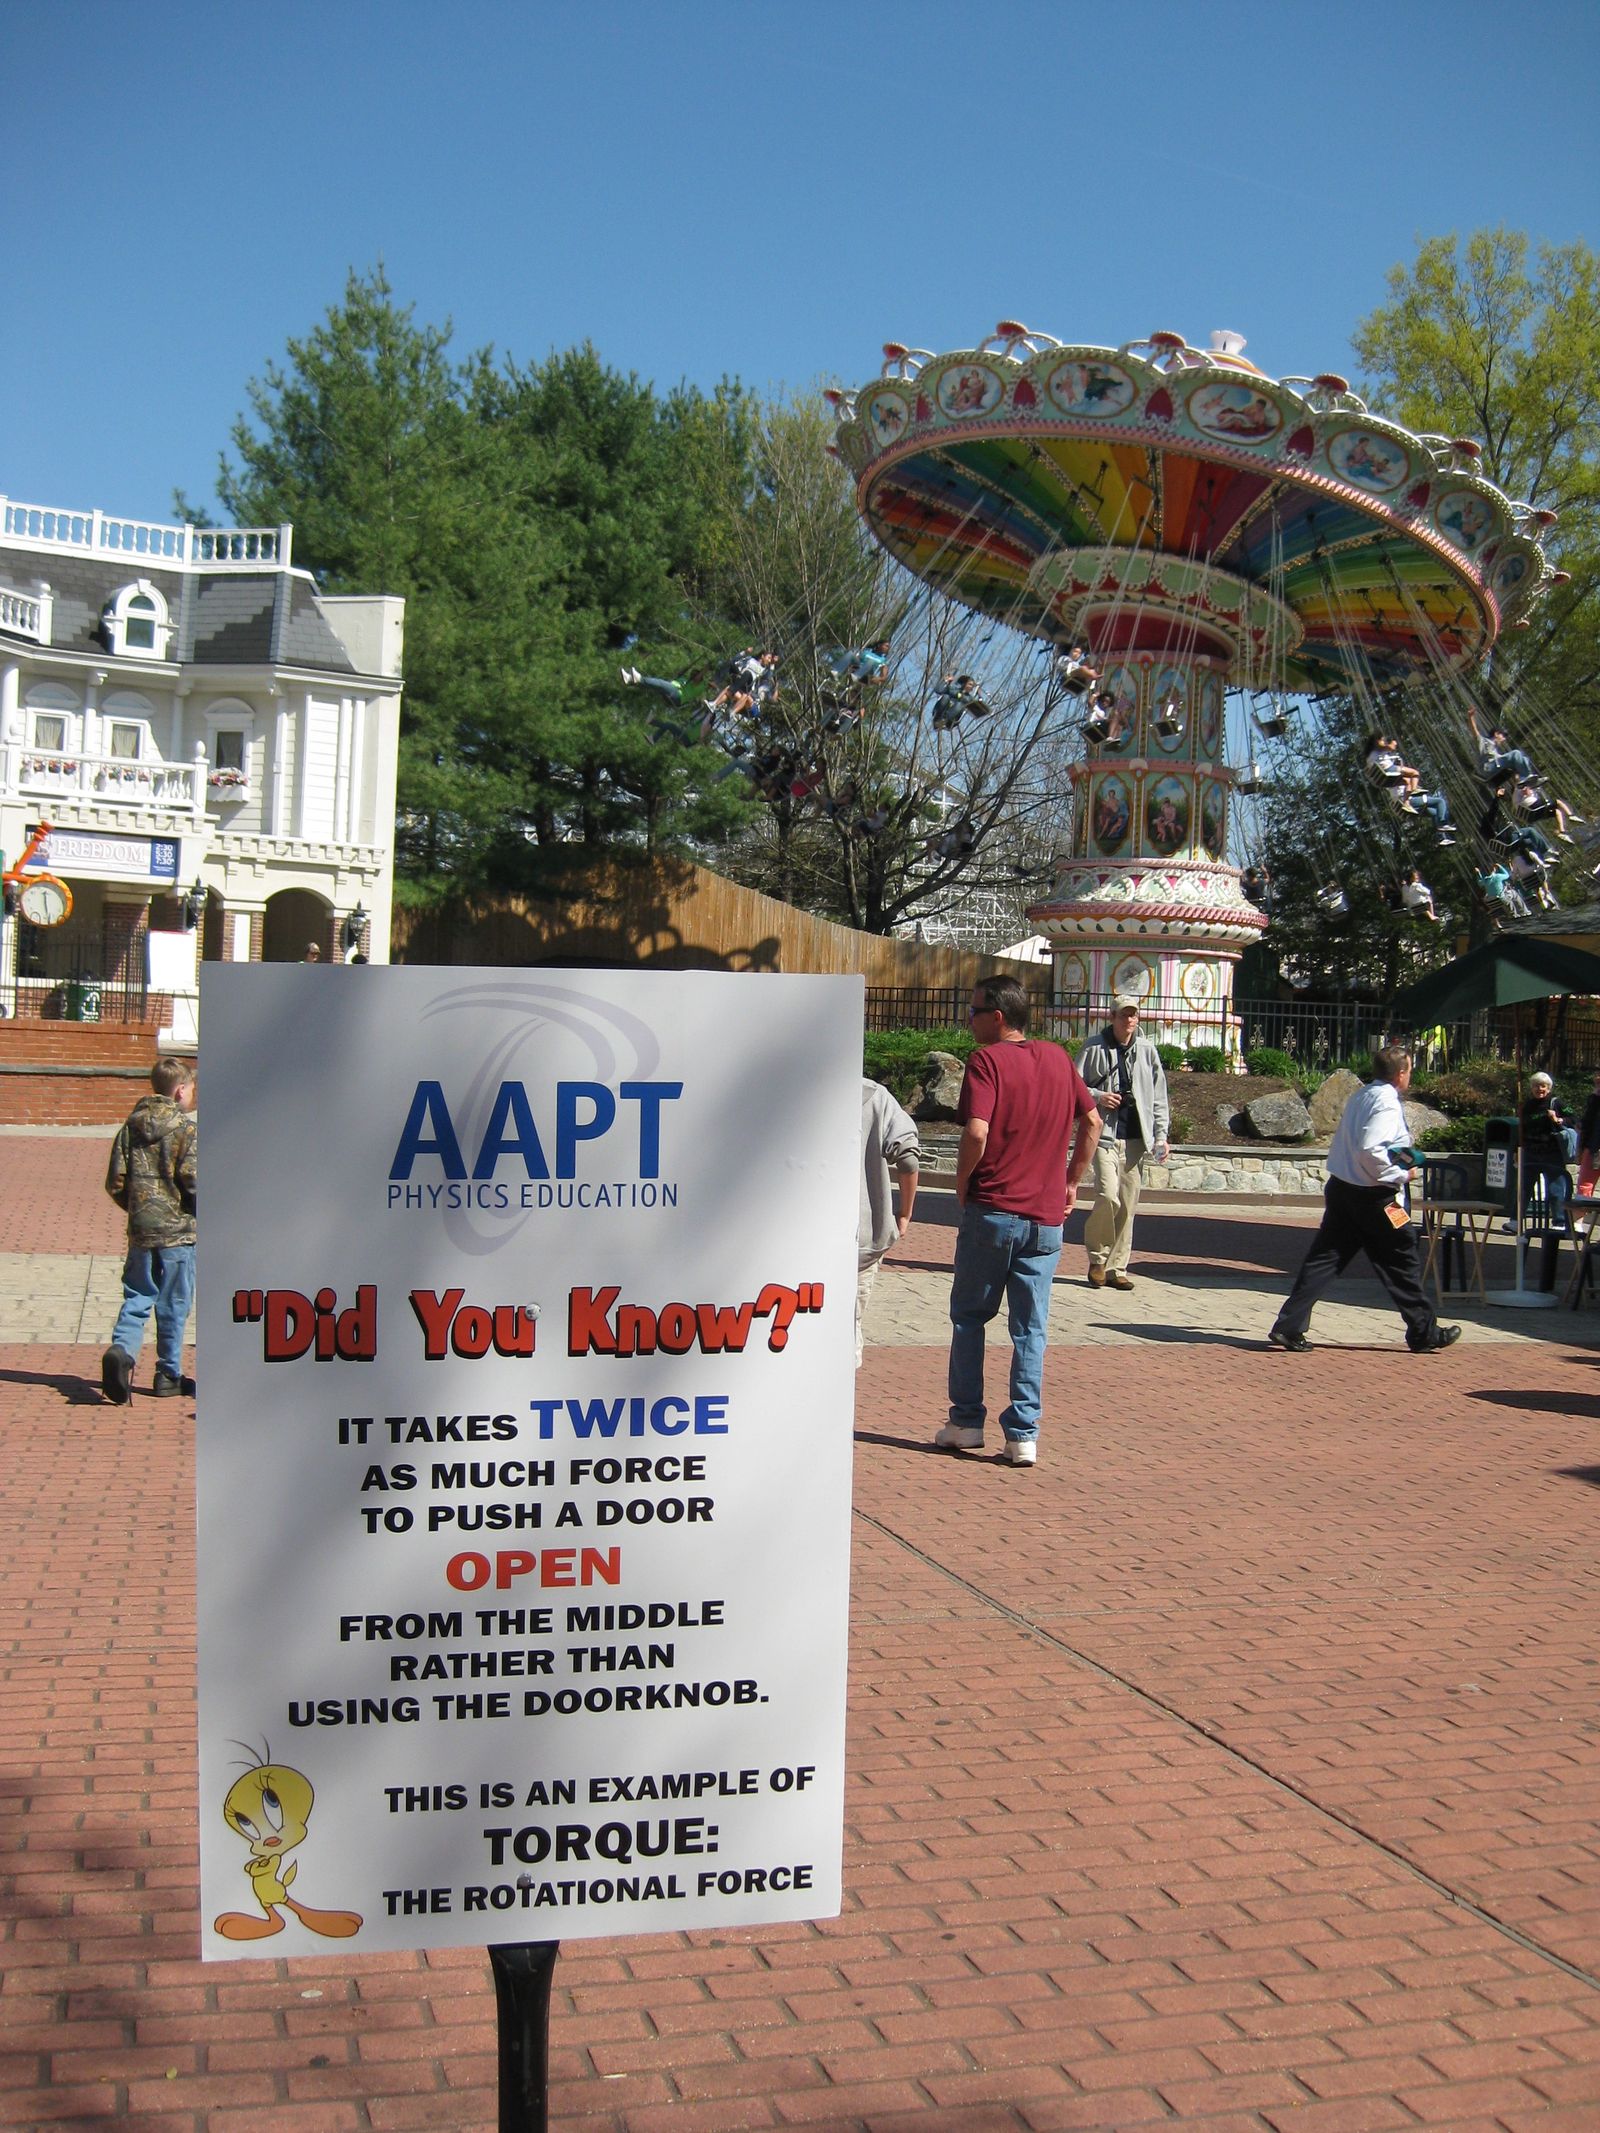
x=1521, y=1298
x=522, y=1979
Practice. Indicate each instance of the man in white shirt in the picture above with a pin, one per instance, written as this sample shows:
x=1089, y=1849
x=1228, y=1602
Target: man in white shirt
x=1368, y=1164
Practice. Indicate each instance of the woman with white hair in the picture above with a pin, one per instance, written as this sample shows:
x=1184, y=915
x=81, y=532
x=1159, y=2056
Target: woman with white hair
x=1549, y=1144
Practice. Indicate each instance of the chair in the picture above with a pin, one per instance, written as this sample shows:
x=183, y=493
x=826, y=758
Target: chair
x=1456, y=1218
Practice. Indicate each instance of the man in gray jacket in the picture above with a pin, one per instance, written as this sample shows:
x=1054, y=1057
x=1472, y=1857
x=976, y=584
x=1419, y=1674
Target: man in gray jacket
x=887, y=1137
x=1124, y=1070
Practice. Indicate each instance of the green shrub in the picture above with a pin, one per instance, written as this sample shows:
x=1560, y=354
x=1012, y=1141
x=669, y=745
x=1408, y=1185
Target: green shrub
x=1268, y=1061
x=1458, y=1136
x=1171, y=1056
x=1477, y=1087
x=887, y=1050
x=1181, y=1129
x=1206, y=1059
x=899, y=1057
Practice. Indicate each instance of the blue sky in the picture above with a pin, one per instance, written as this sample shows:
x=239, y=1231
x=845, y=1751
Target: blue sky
x=700, y=187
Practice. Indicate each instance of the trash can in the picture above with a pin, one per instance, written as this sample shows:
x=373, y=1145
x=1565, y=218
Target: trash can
x=72, y=992
x=1501, y=1139
x=90, y=1009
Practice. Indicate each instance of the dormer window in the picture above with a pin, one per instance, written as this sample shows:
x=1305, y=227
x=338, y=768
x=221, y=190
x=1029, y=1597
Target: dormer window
x=136, y=622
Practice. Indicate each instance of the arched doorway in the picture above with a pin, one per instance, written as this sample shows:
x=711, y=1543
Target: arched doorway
x=293, y=919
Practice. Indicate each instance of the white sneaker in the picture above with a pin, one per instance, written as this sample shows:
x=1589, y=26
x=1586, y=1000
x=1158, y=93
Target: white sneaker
x=627, y=675
x=1022, y=1451
x=953, y=1439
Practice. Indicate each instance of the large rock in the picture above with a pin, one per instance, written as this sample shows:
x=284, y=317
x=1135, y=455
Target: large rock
x=941, y=1087
x=1421, y=1118
x=1327, y=1105
x=1232, y=1121
x=1282, y=1117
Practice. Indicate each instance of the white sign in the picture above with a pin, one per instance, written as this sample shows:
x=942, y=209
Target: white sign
x=82, y=853
x=526, y=1379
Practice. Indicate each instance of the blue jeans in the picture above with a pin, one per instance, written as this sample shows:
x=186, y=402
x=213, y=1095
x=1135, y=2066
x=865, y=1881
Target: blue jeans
x=1000, y=1256
x=160, y=1279
x=1510, y=759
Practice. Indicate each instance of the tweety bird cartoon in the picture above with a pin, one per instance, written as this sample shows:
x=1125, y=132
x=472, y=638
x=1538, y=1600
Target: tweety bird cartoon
x=270, y=1807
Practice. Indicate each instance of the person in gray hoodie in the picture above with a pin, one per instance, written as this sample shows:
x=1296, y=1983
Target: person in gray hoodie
x=152, y=1175
x=888, y=1137
x=1129, y=1082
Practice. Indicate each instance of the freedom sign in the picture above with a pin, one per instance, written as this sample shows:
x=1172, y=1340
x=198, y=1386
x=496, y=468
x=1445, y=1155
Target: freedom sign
x=526, y=1372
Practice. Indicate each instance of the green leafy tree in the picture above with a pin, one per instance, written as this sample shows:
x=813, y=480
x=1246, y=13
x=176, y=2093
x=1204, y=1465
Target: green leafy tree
x=534, y=519
x=617, y=489
x=1324, y=828
x=348, y=439
x=1498, y=339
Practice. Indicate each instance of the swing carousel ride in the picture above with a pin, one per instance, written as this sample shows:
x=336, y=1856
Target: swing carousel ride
x=1200, y=529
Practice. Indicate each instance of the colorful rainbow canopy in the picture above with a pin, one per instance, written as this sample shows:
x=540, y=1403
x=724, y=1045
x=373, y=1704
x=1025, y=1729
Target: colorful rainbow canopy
x=1044, y=484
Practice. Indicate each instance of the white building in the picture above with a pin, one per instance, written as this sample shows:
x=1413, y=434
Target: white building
x=188, y=713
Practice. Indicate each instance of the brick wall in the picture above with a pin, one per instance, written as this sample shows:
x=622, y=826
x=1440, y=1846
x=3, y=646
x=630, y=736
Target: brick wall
x=69, y=1099
x=73, y=1073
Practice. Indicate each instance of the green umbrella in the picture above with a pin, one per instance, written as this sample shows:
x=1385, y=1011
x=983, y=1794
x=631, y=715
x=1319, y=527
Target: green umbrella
x=1514, y=967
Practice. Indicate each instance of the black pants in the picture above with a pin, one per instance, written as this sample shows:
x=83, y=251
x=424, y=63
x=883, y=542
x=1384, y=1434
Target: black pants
x=1354, y=1220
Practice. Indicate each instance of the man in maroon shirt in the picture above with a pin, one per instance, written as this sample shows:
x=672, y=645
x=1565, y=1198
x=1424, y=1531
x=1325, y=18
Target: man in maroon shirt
x=1028, y=1131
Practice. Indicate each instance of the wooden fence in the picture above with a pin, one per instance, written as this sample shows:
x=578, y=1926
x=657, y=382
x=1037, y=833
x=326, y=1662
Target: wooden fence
x=630, y=913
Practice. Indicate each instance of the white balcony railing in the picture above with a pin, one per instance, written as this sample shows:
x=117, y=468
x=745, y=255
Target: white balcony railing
x=26, y=614
x=44, y=527
x=45, y=774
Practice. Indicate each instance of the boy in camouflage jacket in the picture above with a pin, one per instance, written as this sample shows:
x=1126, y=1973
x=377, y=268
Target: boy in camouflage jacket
x=152, y=1175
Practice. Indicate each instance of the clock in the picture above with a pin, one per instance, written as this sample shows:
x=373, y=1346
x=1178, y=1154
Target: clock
x=45, y=901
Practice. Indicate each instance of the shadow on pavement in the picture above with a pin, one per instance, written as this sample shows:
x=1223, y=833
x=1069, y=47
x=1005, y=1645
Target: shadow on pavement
x=76, y=1391
x=1588, y=1474
x=991, y=1455
x=1211, y=1273
x=1586, y=1406
x=911, y=1444
x=1192, y=1336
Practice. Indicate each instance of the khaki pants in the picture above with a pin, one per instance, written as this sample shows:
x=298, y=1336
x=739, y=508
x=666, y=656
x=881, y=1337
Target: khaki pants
x=1118, y=1175
x=865, y=1276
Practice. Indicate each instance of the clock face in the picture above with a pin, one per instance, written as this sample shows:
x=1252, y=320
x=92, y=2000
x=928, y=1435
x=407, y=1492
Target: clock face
x=45, y=901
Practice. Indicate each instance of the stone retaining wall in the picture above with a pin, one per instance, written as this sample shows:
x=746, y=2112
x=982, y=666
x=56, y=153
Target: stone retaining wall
x=1236, y=1166
x=1254, y=1167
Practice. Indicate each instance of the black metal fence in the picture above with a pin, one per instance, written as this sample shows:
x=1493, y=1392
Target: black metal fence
x=74, y=996
x=1563, y=1034
x=934, y=1006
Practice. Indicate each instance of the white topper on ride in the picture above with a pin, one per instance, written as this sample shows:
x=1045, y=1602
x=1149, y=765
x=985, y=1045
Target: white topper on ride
x=524, y=1435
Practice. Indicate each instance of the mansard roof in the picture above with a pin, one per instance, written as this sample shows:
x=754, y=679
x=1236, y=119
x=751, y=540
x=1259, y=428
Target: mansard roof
x=233, y=617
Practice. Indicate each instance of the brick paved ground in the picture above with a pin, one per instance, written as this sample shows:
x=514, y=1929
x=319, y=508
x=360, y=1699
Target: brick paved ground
x=54, y=1198
x=1235, y=1768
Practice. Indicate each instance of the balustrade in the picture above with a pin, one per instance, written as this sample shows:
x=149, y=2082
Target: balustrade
x=26, y=614
x=103, y=780
x=179, y=547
